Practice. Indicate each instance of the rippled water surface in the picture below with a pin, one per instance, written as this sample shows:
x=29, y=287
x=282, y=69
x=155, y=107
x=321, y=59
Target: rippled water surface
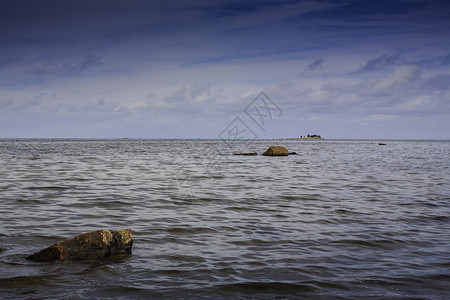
x=342, y=219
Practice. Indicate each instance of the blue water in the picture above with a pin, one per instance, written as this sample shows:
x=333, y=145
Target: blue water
x=343, y=219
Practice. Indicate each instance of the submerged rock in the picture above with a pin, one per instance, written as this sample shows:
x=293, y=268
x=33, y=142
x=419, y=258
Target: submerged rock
x=92, y=245
x=276, y=151
x=246, y=153
x=292, y=153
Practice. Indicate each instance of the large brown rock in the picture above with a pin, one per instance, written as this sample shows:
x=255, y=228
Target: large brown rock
x=92, y=245
x=276, y=151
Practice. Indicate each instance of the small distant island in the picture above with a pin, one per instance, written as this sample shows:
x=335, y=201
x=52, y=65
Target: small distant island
x=307, y=137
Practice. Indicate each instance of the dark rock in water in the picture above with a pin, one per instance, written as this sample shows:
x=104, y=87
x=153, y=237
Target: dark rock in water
x=381, y=144
x=92, y=245
x=276, y=151
x=292, y=153
x=246, y=153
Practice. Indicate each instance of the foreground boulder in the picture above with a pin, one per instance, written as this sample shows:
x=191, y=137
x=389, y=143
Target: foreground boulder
x=276, y=151
x=92, y=245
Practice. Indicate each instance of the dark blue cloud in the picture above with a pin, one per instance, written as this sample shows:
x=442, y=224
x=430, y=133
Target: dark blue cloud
x=88, y=62
x=9, y=61
x=379, y=63
x=315, y=65
x=54, y=69
x=361, y=9
x=436, y=83
x=435, y=61
x=361, y=21
x=219, y=9
x=385, y=61
x=28, y=19
x=446, y=60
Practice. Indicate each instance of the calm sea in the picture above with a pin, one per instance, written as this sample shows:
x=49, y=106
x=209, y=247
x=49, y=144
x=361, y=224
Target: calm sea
x=343, y=219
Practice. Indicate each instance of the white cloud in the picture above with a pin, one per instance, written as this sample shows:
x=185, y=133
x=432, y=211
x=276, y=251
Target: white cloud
x=402, y=77
x=380, y=118
x=135, y=105
x=420, y=103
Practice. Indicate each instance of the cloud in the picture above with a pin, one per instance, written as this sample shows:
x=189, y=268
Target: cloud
x=446, y=60
x=89, y=61
x=384, y=61
x=379, y=63
x=435, y=62
x=436, y=83
x=8, y=61
x=185, y=97
x=5, y=103
x=402, y=93
x=315, y=65
x=24, y=103
x=44, y=67
x=380, y=118
x=101, y=107
x=421, y=103
x=400, y=78
x=135, y=105
x=233, y=9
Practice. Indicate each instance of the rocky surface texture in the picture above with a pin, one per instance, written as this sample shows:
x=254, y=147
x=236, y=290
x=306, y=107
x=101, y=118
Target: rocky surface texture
x=92, y=245
x=276, y=151
x=246, y=153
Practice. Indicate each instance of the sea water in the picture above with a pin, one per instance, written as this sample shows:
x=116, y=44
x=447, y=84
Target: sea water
x=342, y=219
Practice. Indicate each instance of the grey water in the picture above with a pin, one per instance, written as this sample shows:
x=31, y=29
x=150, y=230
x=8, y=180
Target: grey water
x=343, y=219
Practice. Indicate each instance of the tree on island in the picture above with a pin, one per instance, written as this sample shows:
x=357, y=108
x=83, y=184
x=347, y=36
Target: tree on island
x=312, y=136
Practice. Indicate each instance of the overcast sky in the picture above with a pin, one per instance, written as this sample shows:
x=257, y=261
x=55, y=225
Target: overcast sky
x=188, y=69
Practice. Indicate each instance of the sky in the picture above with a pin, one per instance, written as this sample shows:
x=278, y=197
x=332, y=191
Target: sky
x=225, y=69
